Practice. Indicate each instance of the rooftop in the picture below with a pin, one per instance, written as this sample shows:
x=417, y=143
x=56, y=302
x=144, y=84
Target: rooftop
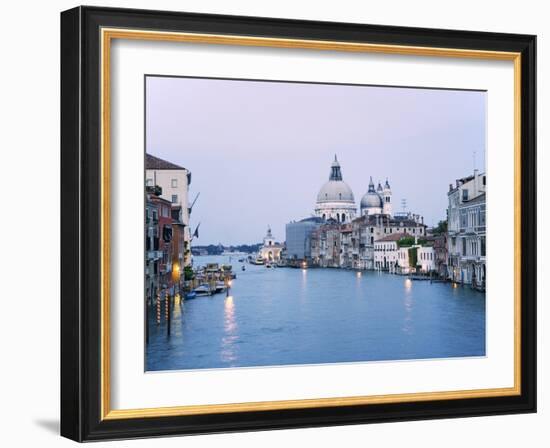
x=154, y=163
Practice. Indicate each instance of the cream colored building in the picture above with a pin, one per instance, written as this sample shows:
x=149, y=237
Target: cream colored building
x=466, y=230
x=335, y=199
x=174, y=181
x=270, y=250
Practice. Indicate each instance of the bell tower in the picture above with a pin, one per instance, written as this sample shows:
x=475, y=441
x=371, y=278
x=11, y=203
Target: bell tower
x=386, y=195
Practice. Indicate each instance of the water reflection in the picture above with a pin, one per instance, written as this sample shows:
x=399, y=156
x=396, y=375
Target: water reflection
x=408, y=308
x=228, y=353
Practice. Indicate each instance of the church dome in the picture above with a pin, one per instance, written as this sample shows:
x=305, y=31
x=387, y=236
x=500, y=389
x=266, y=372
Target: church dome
x=335, y=190
x=371, y=199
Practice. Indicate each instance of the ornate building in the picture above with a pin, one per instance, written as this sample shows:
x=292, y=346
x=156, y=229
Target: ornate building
x=335, y=199
x=271, y=250
x=376, y=202
x=466, y=241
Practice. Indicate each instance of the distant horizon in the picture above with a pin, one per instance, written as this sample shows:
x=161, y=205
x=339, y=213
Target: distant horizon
x=260, y=151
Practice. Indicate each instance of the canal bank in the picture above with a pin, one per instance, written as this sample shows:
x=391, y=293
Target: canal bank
x=283, y=316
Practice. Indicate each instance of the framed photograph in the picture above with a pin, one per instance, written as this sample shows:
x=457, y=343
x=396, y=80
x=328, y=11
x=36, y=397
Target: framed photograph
x=272, y=223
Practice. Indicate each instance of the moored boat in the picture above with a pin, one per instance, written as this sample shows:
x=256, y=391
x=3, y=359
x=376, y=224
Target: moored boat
x=220, y=286
x=202, y=290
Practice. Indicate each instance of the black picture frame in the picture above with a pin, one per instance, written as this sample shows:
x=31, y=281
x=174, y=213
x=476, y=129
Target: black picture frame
x=81, y=224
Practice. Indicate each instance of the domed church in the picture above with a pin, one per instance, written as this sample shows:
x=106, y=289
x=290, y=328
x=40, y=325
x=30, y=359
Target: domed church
x=335, y=199
x=376, y=202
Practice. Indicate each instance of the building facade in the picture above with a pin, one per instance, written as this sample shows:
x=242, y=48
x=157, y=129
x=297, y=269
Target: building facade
x=298, y=238
x=466, y=244
x=270, y=250
x=174, y=180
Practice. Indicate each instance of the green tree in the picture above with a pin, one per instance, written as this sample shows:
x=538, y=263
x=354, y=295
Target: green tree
x=440, y=228
x=406, y=241
x=413, y=256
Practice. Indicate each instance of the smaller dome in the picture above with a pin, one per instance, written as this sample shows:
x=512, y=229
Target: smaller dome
x=371, y=200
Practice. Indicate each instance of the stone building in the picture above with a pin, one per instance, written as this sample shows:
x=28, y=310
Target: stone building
x=270, y=250
x=174, y=181
x=466, y=231
x=440, y=253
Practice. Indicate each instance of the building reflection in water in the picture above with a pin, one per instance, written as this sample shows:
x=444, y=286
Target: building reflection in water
x=230, y=337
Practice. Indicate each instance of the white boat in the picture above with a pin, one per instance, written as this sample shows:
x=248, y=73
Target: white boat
x=220, y=286
x=203, y=290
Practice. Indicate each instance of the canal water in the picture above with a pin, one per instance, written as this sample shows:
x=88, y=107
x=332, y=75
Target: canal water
x=284, y=316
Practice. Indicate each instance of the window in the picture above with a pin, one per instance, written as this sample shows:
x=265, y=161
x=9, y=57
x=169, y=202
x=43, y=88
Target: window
x=174, y=183
x=463, y=246
x=149, y=182
x=482, y=246
x=464, y=195
x=174, y=199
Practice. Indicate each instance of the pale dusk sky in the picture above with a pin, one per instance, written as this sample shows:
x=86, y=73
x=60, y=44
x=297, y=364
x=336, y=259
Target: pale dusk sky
x=260, y=151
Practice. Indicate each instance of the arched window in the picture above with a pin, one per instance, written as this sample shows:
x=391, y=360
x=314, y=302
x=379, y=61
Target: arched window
x=343, y=217
x=338, y=217
x=324, y=216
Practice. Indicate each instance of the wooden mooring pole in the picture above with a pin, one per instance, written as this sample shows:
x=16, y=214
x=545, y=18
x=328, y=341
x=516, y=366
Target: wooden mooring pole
x=168, y=313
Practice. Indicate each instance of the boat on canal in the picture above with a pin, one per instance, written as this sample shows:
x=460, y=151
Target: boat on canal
x=190, y=295
x=220, y=286
x=203, y=290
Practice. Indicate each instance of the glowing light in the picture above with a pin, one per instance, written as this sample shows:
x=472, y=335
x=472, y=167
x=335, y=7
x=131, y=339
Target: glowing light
x=408, y=283
x=359, y=274
x=455, y=285
x=229, y=283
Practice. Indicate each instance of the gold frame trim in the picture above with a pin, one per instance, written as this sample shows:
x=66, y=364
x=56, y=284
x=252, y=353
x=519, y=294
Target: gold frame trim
x=107, y=35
